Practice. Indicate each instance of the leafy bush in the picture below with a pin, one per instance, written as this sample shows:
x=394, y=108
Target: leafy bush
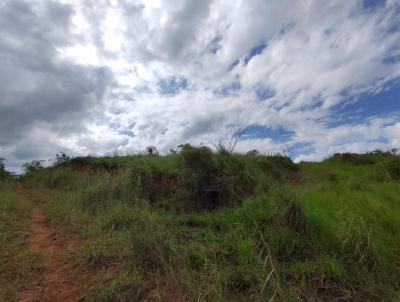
x=33, y=166
x=199, y=177
x=355, y=159
x=62, y=158
x=61, y=179
x=151, y=150
x=277, y=166
x=366, y=158
x=210, y=181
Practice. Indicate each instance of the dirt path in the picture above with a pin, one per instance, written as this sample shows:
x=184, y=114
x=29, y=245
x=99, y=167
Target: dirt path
x=58, y=282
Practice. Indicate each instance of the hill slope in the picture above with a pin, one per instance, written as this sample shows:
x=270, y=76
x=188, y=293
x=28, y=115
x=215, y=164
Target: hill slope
x=198, y=226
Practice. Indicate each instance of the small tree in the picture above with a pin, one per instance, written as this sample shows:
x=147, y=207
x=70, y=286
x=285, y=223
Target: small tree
x=34, y=165
x=173, y=151
x=151, y=150
x=62, y=158
x=253, y=152
x=2, y=167
x=227, y=145
x=3, y=172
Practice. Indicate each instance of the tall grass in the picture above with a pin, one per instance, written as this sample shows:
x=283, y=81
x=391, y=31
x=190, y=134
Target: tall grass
x=17, y=266
x=275, y=230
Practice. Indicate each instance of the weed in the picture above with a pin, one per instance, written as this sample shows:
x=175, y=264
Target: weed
x=393, y=167
x=17, y=267
x=123, y=287
x=293, y=217
x=230, y=227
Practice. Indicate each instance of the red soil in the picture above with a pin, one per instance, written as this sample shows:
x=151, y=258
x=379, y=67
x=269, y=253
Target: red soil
x=58, y=281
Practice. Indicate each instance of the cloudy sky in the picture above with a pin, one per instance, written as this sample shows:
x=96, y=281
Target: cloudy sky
x=87, y=77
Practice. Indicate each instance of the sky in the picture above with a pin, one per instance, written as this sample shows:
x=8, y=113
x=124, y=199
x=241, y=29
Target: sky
x=308, y=77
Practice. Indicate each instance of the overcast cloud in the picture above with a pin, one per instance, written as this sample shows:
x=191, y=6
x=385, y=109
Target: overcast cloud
x=89, y=77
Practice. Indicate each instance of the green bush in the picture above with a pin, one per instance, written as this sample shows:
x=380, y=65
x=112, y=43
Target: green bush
x=3, y=173
x=210, y=181
x=393, y=167
x=61, y=179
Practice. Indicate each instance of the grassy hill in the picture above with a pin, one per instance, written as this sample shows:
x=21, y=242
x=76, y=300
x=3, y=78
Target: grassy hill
x=200, y=226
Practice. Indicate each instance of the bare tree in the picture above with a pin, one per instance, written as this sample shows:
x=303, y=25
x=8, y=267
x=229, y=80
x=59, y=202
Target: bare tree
x=286, y=150
x=228, y=144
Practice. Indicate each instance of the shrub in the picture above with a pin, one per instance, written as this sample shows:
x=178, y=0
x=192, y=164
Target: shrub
x=62, y=158
x=199, y=173
x=211, y=181
x=392, y=166
x=277, y=166
x=364, y=159
x=253, y=152
x=33, y=166
x=60, y=179
x=151, y=150
x=3, y=172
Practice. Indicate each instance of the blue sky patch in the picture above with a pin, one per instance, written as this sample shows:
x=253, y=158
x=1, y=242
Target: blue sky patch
x=302, y=148
x=380, y=140
x=263, y=93
x=172, y=85
x=233, y=65
x=256, y=50
x=228, y=89
x=277, y=134
x=372, y=4
x=127, y=132
x=367, y=105
x=215, y=44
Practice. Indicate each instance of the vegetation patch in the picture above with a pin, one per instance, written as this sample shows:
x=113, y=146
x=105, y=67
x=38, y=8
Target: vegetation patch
x=202, y=226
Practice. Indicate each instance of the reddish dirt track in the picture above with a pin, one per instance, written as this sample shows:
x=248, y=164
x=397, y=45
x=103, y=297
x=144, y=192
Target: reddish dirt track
x=58, y=280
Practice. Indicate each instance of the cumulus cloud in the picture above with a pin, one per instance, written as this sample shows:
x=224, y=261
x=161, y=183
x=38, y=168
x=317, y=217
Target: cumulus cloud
x=43, y=95
x=92, y=76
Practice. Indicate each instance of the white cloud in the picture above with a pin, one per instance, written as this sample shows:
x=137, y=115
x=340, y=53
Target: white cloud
x=318, y=55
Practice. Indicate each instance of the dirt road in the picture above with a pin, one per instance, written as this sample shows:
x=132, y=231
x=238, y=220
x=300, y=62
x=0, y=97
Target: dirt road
x=58, y=280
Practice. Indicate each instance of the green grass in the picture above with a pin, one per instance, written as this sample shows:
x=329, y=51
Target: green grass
x=270, y=229
x=17, y=266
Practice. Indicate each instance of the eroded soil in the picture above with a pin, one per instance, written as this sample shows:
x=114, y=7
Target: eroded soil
x=58, y=280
